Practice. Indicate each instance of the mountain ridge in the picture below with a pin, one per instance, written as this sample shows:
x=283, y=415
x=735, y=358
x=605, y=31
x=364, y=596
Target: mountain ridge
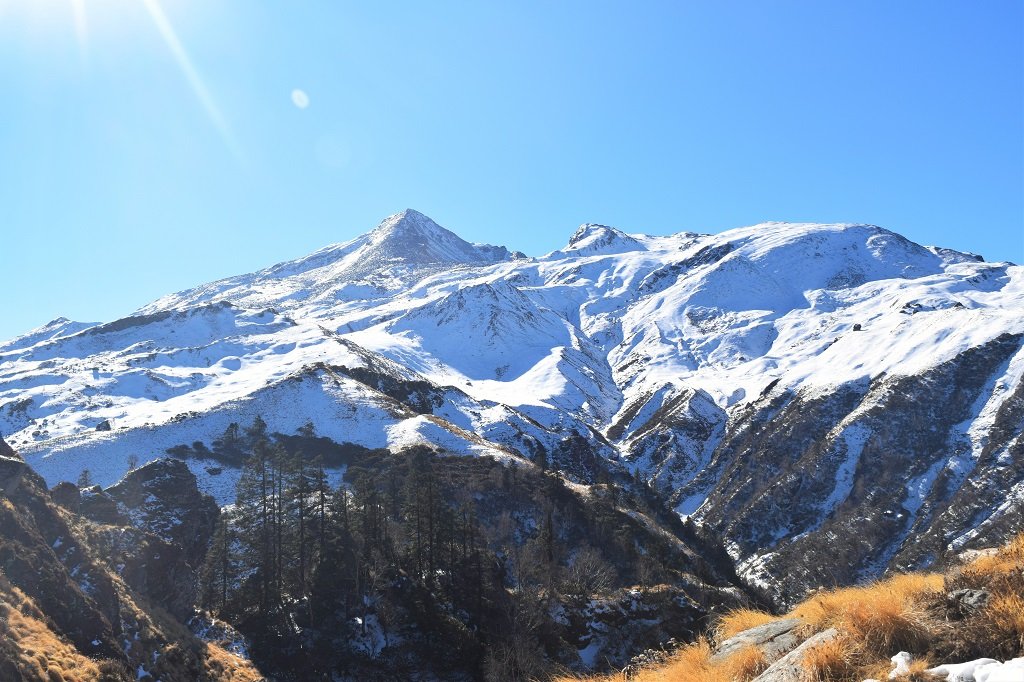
x=660, y=352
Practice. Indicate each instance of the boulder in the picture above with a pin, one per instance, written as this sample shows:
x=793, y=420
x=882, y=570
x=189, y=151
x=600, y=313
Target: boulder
x=96, y=505
x=773, y=639
x=789, y=668
x=966, y=601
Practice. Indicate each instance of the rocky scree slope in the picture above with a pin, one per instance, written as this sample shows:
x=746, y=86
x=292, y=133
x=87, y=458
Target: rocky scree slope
x=802, y=389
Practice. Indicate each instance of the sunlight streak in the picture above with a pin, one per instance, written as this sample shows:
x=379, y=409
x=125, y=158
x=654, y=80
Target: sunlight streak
x=81, y=26
x=185, y=64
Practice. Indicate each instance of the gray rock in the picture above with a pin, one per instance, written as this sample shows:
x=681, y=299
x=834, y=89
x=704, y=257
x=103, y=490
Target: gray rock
x=11, y=470
x=789, y=668
x=774, y=639
x=967, y=601
x=969, y=555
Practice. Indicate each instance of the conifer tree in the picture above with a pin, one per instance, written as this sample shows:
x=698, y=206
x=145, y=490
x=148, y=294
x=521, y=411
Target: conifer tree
x=219, y=569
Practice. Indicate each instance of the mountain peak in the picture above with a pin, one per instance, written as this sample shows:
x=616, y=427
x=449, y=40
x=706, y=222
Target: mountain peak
x=412, y=238
x=405, y=222
x=592, y=238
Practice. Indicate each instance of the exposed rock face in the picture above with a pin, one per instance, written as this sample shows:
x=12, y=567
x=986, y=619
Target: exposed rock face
x=96, y=505
x=67, y=495
x=12, y=467
x=154, y=526
x=162, y=498
x=612, y=629
x=150, y=566
x=870, y=475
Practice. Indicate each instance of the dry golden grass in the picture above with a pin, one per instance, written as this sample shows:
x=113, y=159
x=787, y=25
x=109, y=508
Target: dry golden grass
x=160, y=631
x=1010, y=557
x=739, y=620
x=745, y=664
x=41, y=654
x=830, y=661
x=889, y=615
x=1005, y=613
x=221, y=665
x=875, y=621
x=692, y=663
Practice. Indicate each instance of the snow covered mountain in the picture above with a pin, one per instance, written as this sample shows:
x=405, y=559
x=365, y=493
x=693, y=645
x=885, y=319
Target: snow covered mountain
x=783, y=384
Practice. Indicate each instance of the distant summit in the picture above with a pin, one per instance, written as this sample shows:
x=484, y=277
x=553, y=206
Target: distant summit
x=411, y=238
x=404, y=247
x=591, y=239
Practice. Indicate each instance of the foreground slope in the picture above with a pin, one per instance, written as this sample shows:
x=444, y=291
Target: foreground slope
x=908, y=627
x=75, y=608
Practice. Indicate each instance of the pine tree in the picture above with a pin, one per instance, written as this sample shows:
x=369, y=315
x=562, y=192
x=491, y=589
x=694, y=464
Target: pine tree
x=85, y=479
x=253, y=508
x=256, y=433
x=219, y=569
x=230, y=445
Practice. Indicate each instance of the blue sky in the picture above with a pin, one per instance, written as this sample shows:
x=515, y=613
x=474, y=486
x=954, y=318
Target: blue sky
x=150, y=145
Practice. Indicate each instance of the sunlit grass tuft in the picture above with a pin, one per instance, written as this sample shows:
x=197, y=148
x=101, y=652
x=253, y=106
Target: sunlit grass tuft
x=737, y=621
x=831, y=661
x=887, y=615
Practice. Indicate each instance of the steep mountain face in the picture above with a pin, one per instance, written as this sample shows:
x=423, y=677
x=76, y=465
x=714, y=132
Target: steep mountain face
x=784, y=385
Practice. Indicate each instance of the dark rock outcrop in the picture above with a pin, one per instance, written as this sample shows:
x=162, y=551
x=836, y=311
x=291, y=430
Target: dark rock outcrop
x=12, y=467
x=837, y=487
x=67, y=495
x=163, y=498
x=96, y=505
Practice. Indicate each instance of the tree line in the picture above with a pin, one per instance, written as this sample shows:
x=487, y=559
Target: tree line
x=418, y=563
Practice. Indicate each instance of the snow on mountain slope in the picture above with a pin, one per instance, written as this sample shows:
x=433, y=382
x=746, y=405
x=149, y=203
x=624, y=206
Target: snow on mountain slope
x=672, y=353
x=403, y=248
x=140, y=385
x=62, y=326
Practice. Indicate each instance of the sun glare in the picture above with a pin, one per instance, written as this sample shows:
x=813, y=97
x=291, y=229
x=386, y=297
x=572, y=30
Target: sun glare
x=46, y=19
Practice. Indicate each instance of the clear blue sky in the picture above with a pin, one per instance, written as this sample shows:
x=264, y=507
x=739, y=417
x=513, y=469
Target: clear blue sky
x=150, y=145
